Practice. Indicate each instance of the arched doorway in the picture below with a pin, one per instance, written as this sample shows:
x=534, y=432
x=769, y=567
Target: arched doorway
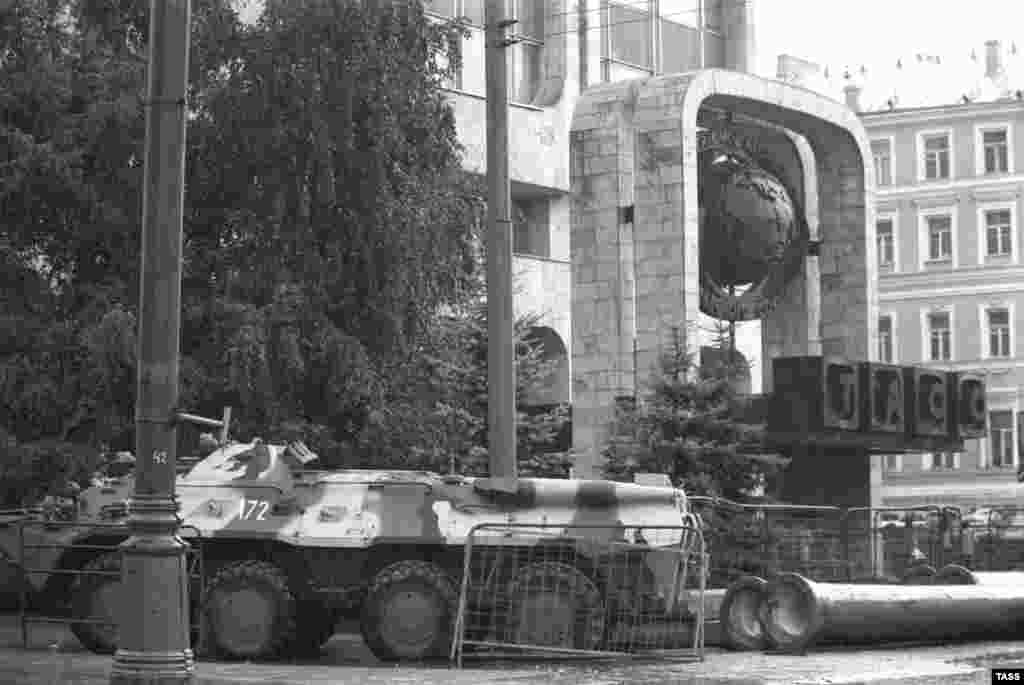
x=551, y=387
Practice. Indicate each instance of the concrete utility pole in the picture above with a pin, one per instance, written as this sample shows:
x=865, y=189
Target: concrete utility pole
x=501, y=372
x=153, y=641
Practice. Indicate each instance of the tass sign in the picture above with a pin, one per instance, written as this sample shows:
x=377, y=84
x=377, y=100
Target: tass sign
x=842, y=395
x=821, y=394
x=970, y=406
x=886, y=399
x=931, y=402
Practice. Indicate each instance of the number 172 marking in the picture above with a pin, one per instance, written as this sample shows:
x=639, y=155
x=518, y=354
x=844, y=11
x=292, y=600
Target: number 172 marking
x=254, y=509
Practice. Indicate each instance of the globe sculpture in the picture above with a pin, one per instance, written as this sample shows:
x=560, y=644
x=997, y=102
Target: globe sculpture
x=752, y=235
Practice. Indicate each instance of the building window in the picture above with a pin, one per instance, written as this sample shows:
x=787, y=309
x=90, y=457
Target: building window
x=998, y=332
x=530, y=232
x=885, y=339
x=936, y=156
x=445, y=59
x=939, y=335
x=528, y=58
x=638, y=40
x=1020, y=439
x=713, y=15
x=886, y=251
x=1000, y=429
x=999, y=232
x=472, y=11
x=881, y=150
x=996, y=150
x=943, y=460
x=940, y=238
x=628, y=37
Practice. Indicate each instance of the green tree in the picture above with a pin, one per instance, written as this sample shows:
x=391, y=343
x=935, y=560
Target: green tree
x=329, y=229
x=439, y=420
x=690, y=427
x=330, y=223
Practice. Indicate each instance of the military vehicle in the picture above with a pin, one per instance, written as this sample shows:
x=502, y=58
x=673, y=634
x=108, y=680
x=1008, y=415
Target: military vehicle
x=35, y=537
x=288, y=551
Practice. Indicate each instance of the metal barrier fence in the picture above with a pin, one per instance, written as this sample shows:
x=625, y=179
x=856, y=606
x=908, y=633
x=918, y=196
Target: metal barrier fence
x=826, y=543
x=759, y=540
x=41, y=558
x=885, y=543
x=996, y=541
x=583, y=590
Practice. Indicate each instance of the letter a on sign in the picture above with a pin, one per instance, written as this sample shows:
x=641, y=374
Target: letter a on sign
x=886, y=394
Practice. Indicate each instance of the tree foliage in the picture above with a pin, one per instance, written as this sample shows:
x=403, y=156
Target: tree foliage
x=690, y=427
x=444, y=398
x=329, y=231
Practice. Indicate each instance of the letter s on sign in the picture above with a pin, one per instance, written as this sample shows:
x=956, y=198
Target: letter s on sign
x=936, y=401
x=972, y=401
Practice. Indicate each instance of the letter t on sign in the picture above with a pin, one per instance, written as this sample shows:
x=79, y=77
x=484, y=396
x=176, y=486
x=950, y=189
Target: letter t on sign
x=842, y=410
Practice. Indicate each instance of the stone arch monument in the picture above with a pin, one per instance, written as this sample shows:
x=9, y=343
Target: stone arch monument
x=647, y=155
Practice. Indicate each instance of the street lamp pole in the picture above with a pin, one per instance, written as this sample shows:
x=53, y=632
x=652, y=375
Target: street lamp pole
x=501, y=374
x=153, y=640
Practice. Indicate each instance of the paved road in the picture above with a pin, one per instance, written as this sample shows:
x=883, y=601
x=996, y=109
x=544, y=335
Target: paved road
x=54, y=657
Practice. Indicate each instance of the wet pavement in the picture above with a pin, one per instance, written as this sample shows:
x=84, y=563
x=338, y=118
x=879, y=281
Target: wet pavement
x=55, y=657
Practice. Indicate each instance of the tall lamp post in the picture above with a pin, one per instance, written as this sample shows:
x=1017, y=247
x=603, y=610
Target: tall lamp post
x=153, y=641
x=501, y=354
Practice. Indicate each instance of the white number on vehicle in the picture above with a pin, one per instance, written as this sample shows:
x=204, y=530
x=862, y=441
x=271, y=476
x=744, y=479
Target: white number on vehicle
x=254, y=509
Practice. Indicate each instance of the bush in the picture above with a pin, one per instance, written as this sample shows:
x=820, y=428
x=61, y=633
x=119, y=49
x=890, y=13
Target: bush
x=31, y=471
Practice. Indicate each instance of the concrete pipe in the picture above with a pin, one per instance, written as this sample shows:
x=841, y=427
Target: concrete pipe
x=799, y=613
x=739, y=614
x=954, y=574
x=920, y=575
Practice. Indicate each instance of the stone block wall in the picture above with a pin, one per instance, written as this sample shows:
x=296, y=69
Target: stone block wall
x=635, y=233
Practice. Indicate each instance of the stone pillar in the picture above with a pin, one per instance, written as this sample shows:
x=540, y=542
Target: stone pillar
x=848, y=267
x=790, y=328
x=601, y=244
x=667, y=240
x=740, y=45
x=840, y=477
x=626, y=383
x=634, y=147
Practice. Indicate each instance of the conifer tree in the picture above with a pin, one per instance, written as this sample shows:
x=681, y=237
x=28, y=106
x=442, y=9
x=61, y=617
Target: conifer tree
x=690, y=427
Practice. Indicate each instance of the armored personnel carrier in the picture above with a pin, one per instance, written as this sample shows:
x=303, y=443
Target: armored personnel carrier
x=288, y=551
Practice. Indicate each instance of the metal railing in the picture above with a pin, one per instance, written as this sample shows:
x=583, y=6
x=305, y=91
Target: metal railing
x=194, y=562
x=762, y=539
x=995, y=543
x=596, y=590
x=827, y=543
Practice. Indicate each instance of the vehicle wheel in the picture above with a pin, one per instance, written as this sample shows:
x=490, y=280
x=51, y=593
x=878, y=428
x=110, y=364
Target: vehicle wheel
x=555, y=605
x=409, y=612
x=249, y=611
x=96, y=597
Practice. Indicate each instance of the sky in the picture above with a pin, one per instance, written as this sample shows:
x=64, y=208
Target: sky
x=876, y=33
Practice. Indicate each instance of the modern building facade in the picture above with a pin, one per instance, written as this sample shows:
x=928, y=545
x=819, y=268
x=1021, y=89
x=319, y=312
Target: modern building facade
x=949, y=178
x=562, y=49
x=949, y=181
